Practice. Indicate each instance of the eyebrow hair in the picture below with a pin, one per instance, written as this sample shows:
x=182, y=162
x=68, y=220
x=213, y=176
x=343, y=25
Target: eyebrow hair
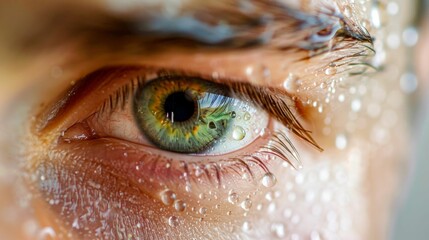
x=216, y=25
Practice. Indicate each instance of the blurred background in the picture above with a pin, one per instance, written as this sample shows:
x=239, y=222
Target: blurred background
x=413, y=211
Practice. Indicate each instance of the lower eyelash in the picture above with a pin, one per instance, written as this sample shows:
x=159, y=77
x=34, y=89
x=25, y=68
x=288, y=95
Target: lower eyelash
x=278, y=147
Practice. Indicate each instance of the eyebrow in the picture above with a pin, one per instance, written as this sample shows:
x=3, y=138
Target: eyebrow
x=222, y=25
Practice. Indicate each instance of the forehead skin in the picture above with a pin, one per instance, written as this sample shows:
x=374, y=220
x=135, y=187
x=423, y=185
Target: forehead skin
x=346, y=193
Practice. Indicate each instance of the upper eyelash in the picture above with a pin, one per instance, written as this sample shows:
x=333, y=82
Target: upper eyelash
x=279, y=145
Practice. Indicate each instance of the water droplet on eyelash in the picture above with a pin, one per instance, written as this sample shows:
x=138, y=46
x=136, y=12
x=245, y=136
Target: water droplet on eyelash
x=246, y=226
x=168, y=197
x=179, y=205
x=238, y=133
x=173, y=221
x=331, y=70
x=269, y=180
x=246, y=116
x=341, y=141
x=233, y=198
x=198, y=172
x=202, y=210
x=347, y=11
x=246, y=204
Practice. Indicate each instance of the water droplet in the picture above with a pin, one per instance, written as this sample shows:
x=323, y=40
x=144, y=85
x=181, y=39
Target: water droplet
x=269, y=180
x=173, y=221
x=356, y=105
x=315, y=236
x=341, y=98
x=341, y=141
x=246, y=204
x=233, y=114
x=269, y=196
x=246, y=226
x=203, y=210
x=347, y=11
x=246, y=116
x=291, y=83
x=202, y=196
x=168, y=197
x=238, y=133
x=233, y=198
x=278, y=229
x=408, y=82
x=179, y=205
x=330, y=70
x=265, y=133
x=229, y=213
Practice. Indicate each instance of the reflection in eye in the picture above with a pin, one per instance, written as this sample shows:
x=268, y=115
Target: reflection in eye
x=189, y=115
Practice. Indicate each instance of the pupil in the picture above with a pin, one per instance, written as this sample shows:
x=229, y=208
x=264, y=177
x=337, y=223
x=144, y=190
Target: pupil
x=179, y=106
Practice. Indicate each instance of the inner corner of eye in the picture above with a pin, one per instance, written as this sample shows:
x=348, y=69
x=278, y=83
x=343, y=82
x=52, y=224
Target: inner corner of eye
x=195, y=116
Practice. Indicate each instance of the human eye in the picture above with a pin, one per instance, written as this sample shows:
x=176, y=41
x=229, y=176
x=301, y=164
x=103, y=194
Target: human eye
x=181, y=140
x=196, y=145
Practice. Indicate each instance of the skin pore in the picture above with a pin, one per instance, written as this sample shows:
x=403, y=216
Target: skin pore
x=337, y=74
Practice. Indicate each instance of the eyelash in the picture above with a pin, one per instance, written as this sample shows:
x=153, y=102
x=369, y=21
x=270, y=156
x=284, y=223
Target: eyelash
x=278, y=146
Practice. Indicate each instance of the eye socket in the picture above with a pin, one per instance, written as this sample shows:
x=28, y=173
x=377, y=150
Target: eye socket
x=193, y=115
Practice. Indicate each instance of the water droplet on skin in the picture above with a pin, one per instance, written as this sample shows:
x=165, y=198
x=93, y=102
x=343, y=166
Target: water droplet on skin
x=341, y=98
x=269, y=196
x=356, y=105
x=315, y=236
x=233, y=114
x=268, y=180
x=341, y=141
x=238, y=133
x=173, y=221
x=246, y=226
x=265, y=133
x=168, y=197
x=246, y=204
x=202, y=196
x=203, y=210
x=278, y=229
x=233, y=198
x=179, y=205
x=229, y=213
x=291, y=83
x=246, y=116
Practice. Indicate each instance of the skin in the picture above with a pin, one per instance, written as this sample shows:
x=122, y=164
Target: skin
x=346, y=191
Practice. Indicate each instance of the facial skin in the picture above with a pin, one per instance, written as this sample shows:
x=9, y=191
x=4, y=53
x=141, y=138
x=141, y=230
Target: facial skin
x=106, y=188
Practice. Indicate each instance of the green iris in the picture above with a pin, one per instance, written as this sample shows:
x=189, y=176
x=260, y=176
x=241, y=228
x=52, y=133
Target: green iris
x=184, y=115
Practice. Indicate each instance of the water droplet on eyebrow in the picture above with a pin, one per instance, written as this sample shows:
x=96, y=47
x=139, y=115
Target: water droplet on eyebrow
x=268, y=180
x=173, y=221
x=233, y=198
x=246, y=204
x=238, y=133
x=179, y=205
x=168, y=197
